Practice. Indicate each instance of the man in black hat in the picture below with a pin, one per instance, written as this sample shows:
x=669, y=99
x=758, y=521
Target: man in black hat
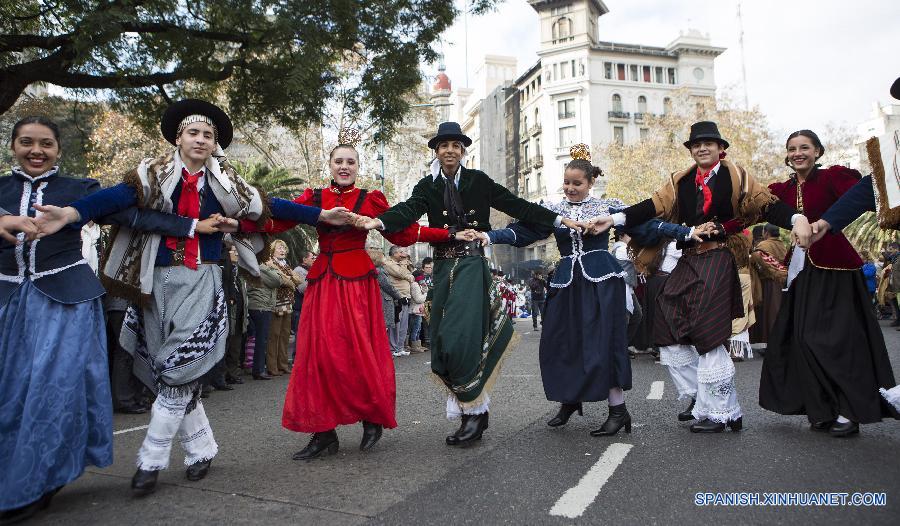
x=469, y=331
x=179, y=330
x=702, y=295
x=885, y=161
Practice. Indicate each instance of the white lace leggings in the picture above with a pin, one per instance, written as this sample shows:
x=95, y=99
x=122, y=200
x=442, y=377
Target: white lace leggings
x=181, y=416
x=708, y=378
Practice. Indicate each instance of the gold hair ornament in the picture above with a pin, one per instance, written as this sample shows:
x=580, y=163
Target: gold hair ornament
x=580, y=151
x=349, y=137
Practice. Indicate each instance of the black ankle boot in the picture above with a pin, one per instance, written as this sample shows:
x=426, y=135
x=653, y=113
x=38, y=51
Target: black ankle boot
x=707, y=426
x=198, y=470
x=321, y=444
x=453, y=439
x=472, y=431
x=565, y=411
x=686, y=415
x=617, y=419
x=371, y=435
x=144, y=482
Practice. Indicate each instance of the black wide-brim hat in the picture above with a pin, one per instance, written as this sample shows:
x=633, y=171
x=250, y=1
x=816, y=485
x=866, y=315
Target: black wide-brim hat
x=177, y=111
x=449, y=131
x=895, y=89
x=704, y=131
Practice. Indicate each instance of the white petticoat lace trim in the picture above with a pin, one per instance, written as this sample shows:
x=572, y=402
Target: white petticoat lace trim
x=721, y=371
x=892, y=395
x=678, y=355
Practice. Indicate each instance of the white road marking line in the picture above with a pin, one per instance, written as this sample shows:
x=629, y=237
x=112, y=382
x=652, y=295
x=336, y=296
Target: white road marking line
x=656, y=390
x=577, y=499
x=138, y=428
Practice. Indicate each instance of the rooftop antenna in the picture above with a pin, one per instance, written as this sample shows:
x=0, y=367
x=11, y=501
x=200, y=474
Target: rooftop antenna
x=743, y=61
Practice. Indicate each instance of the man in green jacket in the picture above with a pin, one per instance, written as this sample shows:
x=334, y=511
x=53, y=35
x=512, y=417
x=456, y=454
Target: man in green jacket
x=470, y=330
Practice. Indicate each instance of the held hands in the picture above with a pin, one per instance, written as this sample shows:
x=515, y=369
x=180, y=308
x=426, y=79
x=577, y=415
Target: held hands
x=467, y=235
x=365, y=223
x=802, y=232
x=819, y=229
x=704, y=232
x=216, y=223
x=597, y=225
x=51, y=219
x=10, y=225
x=337, y=216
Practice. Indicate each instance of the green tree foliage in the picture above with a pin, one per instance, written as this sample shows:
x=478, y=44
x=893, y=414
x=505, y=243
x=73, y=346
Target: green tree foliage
x=282, y=58
x=275, y=182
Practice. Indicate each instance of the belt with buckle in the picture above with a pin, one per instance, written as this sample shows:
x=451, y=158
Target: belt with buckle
x=459, y=249
x=703, y=247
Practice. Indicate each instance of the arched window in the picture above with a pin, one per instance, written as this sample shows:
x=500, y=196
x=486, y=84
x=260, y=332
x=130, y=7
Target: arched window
x=642, y=104
x=616, y=102
x=667, y=106
x=562, y=29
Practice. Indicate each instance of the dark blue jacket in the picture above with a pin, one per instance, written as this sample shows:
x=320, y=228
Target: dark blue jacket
x=858, y=199
x=55, y=263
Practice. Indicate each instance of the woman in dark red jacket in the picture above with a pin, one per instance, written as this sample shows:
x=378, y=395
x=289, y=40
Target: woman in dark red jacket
x=343, y=372
x=826, y=356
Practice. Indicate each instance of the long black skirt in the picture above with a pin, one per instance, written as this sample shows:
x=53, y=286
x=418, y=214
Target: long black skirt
x=583, y=350
x=826, y=354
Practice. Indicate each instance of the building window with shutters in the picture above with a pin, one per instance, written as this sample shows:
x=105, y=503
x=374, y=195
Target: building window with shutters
x=646, y=72
x=667, y=106
x=642, y=104
x=616, y=102
x=633, y=69
x=607, y=70
x=566, y=136
x=619, y=135
x=620, y=71
x=566, y=108
x=645, y=133
x=659, y=75
x=671, y=72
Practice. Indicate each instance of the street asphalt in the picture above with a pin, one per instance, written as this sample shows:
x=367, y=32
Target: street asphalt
x=520, y=473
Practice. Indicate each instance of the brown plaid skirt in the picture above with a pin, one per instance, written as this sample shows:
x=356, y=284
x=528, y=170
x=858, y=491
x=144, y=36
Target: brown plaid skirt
x=698, y=302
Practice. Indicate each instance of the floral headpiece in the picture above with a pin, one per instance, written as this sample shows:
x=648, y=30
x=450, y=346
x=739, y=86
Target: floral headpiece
x=580, y=151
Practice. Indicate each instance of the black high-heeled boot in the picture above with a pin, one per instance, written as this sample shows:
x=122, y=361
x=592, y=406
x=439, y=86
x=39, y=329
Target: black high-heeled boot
x=473, y=429
x=453, y=439
x=687, y=415
x=371, y=435
x=565, y=411
x=321, y=444
x=144, y=482
x=617, y=419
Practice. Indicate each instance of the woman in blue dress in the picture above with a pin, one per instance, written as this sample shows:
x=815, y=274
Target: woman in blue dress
x=55, y=404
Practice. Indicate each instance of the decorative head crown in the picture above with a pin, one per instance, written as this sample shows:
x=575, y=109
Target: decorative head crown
x=580, y=151
x=190, y=119
x=349, y=137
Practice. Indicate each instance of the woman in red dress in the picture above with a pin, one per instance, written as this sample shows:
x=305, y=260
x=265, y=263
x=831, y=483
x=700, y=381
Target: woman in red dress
x=343, y=372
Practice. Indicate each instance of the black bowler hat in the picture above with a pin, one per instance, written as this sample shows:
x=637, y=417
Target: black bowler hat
x=705, y=130
x=449, y=131
x=895, y=89
x=177, y=111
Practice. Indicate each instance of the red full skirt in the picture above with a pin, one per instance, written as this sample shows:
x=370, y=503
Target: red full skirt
x=343, y=371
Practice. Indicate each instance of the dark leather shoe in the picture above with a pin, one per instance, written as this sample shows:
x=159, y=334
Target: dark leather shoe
x=617, y=419
x=133, y=409
x=144, y=482
x=707, y=426
x=222, y=386
x=453, y=439
x=371, y=435
x=472, y=431
x=736, y=425
x=27, y=511
x=565, y=412
x=321, y=444
x=261, y=376
x=233, y=380
x=686, y=415
x=198, y=470
x=844, y=429
x=821, y=427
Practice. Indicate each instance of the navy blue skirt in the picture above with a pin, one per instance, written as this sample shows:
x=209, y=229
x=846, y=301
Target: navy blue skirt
x=584, y=342
x=55, y=405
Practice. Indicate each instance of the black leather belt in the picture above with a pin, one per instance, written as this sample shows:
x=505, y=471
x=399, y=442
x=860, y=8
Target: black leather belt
x=459, y=249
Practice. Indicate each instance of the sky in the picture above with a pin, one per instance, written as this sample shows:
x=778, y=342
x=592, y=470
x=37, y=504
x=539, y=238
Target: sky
x=809, y=64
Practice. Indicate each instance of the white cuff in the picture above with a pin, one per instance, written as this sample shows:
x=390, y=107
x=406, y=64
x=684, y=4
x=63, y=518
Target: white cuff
x=689, y=235
x=557, y=222
x=618, y=218
x=794, y=218
x=193, y=228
